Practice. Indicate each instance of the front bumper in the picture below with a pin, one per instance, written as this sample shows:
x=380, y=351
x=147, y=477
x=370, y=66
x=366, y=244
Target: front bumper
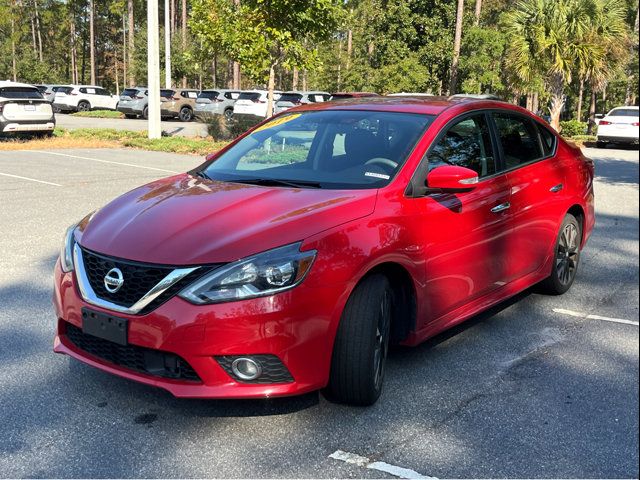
x=130, y=110
x=296, y=326
x=64, y=107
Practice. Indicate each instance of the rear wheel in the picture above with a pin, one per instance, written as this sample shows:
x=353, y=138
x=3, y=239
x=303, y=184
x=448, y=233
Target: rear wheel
x=566, y=258
x=84, y=106
x=362, y=343
x=186, y=114
x=145, y=113
x=228, y=113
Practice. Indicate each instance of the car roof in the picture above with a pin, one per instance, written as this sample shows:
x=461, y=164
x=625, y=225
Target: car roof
x=7, y=83
x=630, y=107
x=425, y=105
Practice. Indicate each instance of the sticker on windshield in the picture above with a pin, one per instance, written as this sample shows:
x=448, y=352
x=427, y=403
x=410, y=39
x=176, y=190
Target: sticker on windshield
x=377, y=175
x=277, y=122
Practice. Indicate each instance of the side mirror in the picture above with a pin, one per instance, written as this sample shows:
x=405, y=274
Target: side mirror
x=452, y=178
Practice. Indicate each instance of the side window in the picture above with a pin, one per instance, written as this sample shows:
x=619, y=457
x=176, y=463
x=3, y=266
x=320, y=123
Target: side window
x=465, y=144
x=83, y=90
x=548, y=140
x=519, y=139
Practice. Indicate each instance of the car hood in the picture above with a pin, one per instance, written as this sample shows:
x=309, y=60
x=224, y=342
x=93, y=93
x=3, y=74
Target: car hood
x=185, y=220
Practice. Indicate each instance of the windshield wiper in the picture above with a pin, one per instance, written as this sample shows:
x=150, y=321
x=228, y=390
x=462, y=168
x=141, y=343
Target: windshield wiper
x=276, y=182
x=201, y=174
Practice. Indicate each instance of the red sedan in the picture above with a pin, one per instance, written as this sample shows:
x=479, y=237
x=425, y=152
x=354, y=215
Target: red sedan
x=290, y=260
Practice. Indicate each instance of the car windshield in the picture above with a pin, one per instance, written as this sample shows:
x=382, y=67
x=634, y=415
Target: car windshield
x=624, y=112
x=290, y=97
x=328, y=149
x=249, y=96
x=20, y=93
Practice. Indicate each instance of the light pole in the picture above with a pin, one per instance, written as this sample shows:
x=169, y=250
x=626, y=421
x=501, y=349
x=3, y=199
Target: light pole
x=167, y=46
x=153, y=69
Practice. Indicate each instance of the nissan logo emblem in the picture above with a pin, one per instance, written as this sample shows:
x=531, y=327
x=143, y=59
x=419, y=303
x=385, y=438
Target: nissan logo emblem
x=113, y=280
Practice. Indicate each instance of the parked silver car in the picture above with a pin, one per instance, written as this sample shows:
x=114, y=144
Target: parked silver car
x=134, y=102
x=215, y=102
x=293, y=99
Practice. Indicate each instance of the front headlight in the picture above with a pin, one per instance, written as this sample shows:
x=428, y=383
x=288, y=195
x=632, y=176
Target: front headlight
x=263, y=274
x=66, y=252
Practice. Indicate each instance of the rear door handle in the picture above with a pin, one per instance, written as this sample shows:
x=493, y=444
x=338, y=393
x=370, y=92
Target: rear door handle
x=501, y=207
x=556, y=188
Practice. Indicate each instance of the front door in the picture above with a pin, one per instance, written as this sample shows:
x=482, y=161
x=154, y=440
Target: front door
x=465, y=237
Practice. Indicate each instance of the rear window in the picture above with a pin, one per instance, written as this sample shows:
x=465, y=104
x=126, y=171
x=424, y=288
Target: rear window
x=209, y=95
x=130, y=92
x=249, y=96
x=290, y=97
x=624, y=112
x=20, y=93
x=167, y=93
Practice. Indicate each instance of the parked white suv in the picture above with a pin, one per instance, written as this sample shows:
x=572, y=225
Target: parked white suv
x=294, y=99
x=24, y=109
x=82, y=98
x=620, y=125
x=254, y=102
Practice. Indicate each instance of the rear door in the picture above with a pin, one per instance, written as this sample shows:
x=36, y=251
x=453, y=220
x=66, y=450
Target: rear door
x=465, y=236
x=537, y=178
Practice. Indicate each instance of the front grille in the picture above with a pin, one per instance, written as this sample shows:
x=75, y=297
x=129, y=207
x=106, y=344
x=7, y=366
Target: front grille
x=139, y=278
x=273, y=370
x=132, y=357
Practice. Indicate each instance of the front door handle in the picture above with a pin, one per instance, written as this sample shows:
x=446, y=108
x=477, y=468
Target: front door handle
x=501, y=207
x=556, y=188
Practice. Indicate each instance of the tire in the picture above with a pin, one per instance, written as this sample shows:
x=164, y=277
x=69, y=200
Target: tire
x=601, y=144
x=145, y=113
x=566, y=258
x=362, y=343
x=84, y=106
x=186, y=114
x=228, y=113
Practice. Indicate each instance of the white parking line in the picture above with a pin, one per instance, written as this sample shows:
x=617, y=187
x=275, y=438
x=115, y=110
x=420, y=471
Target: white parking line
x=594, y=317
x=361, y=461
x=106, y=161
x=30, y=179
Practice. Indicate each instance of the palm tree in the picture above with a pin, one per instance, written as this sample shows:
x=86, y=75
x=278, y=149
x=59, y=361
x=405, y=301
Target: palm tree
x=557, y=38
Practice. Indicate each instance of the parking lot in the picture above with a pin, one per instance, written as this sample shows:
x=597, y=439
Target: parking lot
x=538, y=387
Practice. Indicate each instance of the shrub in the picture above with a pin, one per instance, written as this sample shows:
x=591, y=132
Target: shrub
x=222, y=129
x=571, y=128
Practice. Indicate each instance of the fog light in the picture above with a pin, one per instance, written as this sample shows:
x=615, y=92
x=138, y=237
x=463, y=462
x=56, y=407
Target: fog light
x=246, y=368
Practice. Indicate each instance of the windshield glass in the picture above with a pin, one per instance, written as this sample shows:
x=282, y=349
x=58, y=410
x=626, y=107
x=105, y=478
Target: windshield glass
x=20, y=93
x=331, y=149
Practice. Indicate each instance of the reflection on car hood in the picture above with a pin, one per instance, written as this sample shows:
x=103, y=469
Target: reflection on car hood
x=185, y=220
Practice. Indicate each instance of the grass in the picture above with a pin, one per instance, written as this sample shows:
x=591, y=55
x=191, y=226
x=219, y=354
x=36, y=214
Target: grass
x=99, y=114
x=583, y=140
x=111, y=138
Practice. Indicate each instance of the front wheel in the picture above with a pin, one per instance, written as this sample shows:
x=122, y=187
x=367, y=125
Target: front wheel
x=185, y=114
x=566, y=258
x=84, y=107
x=362, y=343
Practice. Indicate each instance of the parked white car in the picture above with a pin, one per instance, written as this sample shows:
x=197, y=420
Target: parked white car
x=254, y=102
x=620, y=125
x=293, y=99
x=24, y=109
x=82, y=98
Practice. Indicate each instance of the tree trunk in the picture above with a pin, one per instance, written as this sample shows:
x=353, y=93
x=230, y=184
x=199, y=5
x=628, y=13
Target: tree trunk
x=38, y=29
x=529, y=105
x=230, y=64
x=536, y=103
x=92, y=42
x=14, y=70
x=131, y=40
x=478, y=12
x=592, y=112
x=124, y=50
x=33, y=37
x=271, y=88
x=296, y=77
x=172, y=16
x=349, y=42
x=304, y=80
x=74, y=49
x=236, y=65
x=580, y=95
x=558, y=99
x=214, y=70
x=453, y=84
x=184, y=36
x=117, y=79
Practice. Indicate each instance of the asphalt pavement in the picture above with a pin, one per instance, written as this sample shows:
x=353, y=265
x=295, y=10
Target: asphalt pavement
x=170, y=127
x=540, y=386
